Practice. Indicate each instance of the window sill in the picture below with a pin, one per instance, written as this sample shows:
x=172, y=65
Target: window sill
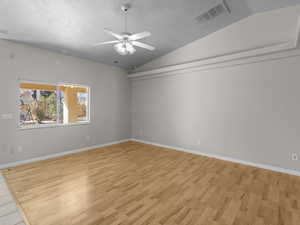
x=52, y=125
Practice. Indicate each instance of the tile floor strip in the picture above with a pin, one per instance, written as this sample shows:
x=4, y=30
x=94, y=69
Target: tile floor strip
x=9, y=212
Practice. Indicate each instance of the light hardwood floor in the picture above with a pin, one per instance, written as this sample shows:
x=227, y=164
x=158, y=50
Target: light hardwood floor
x=138, y=184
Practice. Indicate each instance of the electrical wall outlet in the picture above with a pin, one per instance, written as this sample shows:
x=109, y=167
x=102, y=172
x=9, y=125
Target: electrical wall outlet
x=6, y=116
x=294, y=156
x=198, y=142
x=141, y=132
x=15, y=150
x=20, y=149
x=11, y=150
x=87, y=138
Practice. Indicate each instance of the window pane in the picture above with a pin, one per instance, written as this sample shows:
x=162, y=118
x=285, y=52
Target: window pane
x=38, y=104
x=82, y=106
x=42, y=104
x=74, y=101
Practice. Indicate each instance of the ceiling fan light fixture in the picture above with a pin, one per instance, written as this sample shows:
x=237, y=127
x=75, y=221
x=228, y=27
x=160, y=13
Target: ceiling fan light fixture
x=124, y=48
x=130, y=48
x=120, y=49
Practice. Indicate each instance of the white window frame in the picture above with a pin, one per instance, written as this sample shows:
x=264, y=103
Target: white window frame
x=39, y=126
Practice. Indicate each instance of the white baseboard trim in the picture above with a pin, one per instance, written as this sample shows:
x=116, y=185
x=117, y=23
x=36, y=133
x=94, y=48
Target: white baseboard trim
x=18, y=163
x=225, y=158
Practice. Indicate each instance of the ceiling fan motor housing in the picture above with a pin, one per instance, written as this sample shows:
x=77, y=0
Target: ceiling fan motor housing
x=126, y=35
x=125, y=7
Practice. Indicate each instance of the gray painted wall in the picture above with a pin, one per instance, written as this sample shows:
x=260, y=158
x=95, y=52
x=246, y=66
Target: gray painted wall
x=248, y=112
x=110, y=93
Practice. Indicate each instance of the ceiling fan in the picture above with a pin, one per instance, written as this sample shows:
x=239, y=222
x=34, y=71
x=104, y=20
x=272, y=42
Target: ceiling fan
x=126, y=41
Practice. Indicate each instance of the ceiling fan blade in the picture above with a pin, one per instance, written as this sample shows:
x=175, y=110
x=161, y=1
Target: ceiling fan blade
x=106, y=43
x=118, y=36
x=138, y=36
x=142, y=45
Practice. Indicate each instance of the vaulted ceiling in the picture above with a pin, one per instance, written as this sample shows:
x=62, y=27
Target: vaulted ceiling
x=74, y=26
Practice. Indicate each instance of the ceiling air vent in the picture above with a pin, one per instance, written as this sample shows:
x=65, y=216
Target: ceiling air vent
x=221, y=8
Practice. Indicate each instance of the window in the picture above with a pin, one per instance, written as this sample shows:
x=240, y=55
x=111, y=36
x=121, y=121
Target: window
x=45, y=104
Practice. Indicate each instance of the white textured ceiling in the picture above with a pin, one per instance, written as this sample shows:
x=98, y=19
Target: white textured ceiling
x=73, y=26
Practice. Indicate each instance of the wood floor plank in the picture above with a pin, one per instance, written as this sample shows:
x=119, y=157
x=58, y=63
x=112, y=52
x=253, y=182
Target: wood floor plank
x=138, y=184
